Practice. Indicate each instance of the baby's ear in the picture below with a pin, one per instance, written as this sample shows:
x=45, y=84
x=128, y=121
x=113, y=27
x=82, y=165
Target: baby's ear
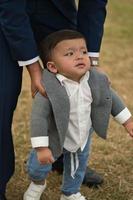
x=51, y=67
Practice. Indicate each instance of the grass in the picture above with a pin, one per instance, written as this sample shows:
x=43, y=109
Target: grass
x=113, y=158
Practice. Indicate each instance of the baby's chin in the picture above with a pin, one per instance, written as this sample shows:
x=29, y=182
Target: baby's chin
x=82, y=71
x=81, y=74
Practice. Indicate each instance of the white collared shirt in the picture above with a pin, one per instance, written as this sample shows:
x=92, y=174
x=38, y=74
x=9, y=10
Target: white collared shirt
x=28, y=62
x=80, y=109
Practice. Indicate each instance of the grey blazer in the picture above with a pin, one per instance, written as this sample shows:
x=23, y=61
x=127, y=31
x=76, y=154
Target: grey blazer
x=50, y=116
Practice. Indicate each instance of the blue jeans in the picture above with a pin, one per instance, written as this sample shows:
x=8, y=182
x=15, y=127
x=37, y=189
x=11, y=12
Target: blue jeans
x=70, y=185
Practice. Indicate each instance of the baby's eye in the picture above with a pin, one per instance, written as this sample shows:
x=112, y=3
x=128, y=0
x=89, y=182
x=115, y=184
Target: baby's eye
x=84, y=52
x=69, y=54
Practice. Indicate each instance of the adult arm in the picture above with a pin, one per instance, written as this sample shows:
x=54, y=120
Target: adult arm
x=15, y=26
x=91, y=18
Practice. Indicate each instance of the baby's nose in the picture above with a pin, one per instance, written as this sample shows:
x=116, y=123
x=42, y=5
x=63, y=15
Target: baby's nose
x=79, y=55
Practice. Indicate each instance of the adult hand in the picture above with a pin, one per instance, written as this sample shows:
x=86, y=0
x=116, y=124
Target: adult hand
x=35, y=72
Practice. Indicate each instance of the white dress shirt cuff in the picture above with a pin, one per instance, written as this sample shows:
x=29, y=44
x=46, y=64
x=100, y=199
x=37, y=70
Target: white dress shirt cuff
x=28, y=62
x=42, y=141
x=123, y=116
x=93, y=54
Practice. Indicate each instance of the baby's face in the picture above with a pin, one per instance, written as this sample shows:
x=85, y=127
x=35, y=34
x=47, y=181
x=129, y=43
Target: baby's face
x=71, y=58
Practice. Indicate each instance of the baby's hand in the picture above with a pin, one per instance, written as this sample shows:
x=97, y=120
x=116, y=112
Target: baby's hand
x=44, y=155
x=129, y=126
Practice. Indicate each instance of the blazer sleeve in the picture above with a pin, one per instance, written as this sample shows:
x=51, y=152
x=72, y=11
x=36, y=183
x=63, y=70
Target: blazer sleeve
x=15, y=26
x=91, y=17
x=41, y=110
x=119, y=111
x=117, y=103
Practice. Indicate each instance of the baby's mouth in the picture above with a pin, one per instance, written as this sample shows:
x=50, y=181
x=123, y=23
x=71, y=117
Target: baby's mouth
x=80, y=65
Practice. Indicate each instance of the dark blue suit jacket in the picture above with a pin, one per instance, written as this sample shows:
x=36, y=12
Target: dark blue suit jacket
x=46, y=16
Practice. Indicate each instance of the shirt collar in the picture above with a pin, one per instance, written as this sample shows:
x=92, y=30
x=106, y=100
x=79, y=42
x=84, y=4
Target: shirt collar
x=62, y=78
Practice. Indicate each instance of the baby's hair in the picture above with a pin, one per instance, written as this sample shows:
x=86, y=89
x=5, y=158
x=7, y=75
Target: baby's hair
x=49, y=43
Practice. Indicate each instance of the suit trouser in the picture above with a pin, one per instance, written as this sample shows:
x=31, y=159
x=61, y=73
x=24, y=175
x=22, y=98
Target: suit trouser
x=10, y=86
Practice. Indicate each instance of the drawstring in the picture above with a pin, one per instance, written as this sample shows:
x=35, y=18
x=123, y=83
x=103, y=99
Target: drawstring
x=74, y=164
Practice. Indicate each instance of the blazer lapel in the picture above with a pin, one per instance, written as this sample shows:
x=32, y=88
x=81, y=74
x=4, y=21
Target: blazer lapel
x=102, y=102
x=59, y=101
x=99, y=88
x=94, y=86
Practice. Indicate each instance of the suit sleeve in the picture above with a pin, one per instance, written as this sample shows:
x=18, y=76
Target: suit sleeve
x=91, y=17
x=41, y=110
x=15, y=26
x=119, y=111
